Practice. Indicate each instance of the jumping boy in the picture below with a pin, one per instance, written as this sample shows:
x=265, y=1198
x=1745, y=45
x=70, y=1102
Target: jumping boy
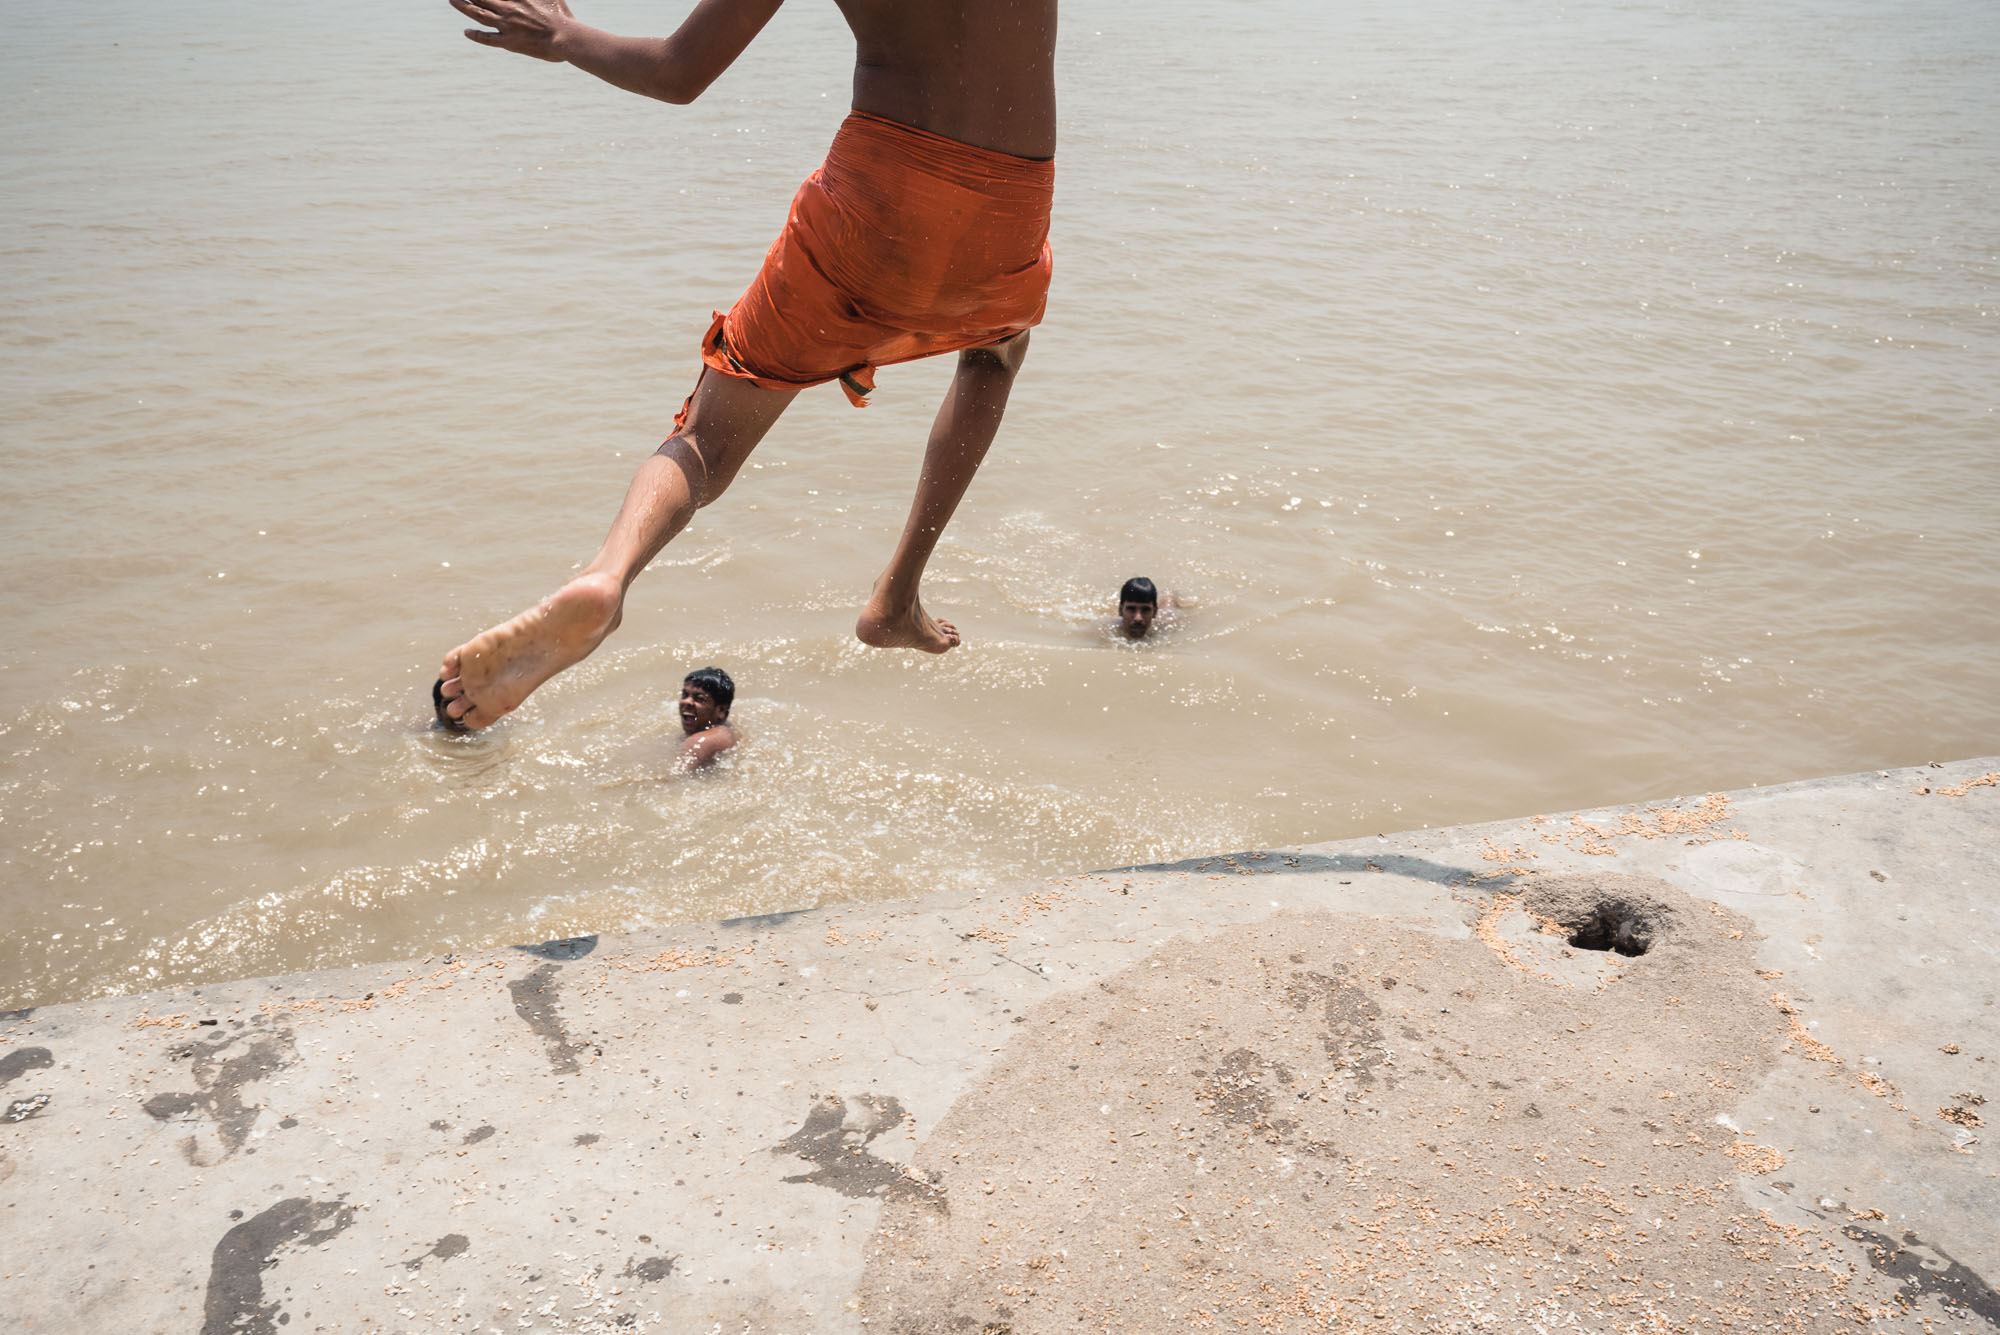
x=924, y=232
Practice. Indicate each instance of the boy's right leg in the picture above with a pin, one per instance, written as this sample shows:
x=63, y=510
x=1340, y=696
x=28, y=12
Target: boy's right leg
x=966, y=423
x=491, y=674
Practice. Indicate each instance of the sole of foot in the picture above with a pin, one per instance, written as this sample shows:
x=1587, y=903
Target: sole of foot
x=488, y=676
x=884, y=627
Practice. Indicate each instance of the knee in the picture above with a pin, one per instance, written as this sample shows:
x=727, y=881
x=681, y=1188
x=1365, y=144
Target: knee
x=1006, y=358
x=703, y=482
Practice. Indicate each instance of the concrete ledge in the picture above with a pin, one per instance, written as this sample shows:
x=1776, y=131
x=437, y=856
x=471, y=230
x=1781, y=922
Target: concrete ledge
x=1383, y=1083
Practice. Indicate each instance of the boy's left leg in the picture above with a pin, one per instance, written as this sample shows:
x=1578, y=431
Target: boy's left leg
x=491, y=674
x=966, y=424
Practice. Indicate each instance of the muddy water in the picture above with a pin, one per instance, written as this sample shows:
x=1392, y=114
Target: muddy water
x=1542, y=405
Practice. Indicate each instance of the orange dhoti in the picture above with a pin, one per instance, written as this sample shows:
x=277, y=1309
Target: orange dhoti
x=904, y=244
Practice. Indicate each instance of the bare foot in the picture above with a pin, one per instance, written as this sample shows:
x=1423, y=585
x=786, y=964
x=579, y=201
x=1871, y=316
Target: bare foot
x=491, y=674
x=888, y=627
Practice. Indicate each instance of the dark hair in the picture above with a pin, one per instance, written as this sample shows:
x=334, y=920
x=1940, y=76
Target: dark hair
x=1139, y=589
x=716, y=682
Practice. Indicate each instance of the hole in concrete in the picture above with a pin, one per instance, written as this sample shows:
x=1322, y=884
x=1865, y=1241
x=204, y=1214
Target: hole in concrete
x=1614, y=925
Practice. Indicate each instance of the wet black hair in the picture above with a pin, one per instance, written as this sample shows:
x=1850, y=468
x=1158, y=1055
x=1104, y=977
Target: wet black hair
x=716, y=682
x=1139, y=589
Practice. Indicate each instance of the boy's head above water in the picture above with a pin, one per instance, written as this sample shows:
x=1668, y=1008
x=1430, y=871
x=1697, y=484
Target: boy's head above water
x=1138, y=605
x=705, y=697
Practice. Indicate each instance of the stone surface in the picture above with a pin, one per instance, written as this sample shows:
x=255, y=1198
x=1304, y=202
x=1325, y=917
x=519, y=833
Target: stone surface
x=1719, y=1063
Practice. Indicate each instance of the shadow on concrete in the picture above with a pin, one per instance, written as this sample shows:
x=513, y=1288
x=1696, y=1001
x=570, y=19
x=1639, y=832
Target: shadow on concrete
x=1278, y=862
x=569, y=948
x=759, y=921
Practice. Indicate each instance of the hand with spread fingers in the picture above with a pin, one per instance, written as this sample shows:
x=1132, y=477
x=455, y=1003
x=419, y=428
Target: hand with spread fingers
x=531, y=27
x=951, y=142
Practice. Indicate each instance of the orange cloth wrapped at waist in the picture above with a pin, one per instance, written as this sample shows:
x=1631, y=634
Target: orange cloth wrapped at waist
x=902, y=245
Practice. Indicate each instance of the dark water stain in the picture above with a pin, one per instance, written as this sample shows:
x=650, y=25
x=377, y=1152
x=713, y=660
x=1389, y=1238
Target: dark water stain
x=1353, y=1036
x=23, y=1060
x=568, y=948
x=446, y=1247
x=474, y=1137
x=841, y=1152
x=1955, y=1285
x=235, y=1304
x=586, y=1139
x=219, y=1081
x=535, y=1001
x=15, y=1017
x=651, y=1270
x=732, y=998
x=1236, y=1089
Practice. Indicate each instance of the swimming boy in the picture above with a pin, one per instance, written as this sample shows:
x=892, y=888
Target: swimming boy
x=706, y=694
x=1140, y=606
x=924, y=232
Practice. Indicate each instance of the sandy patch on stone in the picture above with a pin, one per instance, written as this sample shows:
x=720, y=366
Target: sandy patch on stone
x=1321, y=1120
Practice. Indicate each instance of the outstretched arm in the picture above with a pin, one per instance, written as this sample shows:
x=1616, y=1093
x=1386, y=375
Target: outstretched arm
x=673, y=69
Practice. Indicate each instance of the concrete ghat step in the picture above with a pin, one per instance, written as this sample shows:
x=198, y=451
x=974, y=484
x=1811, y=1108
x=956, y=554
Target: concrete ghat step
x=1387, y=1083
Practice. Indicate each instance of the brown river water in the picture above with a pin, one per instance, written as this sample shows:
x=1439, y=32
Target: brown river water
x=1543, y=405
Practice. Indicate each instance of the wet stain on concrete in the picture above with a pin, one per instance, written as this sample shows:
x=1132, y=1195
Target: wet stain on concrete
x=1957, y=1286
x=23, y=1060
x=446, y=1247
x=586, y=1139
x=651, y=1270
x=569, y=948
x=475, y=1136
x=1235, y=1089
x=836, y=1136
x=235, y=1303
x=535, y=1002
x=219, y=1076
x=20, y=1110
x=1353, y=1035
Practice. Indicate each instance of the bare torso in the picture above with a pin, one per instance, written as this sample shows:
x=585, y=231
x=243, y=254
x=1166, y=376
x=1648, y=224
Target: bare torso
x=978, y=71
x=981, y=72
